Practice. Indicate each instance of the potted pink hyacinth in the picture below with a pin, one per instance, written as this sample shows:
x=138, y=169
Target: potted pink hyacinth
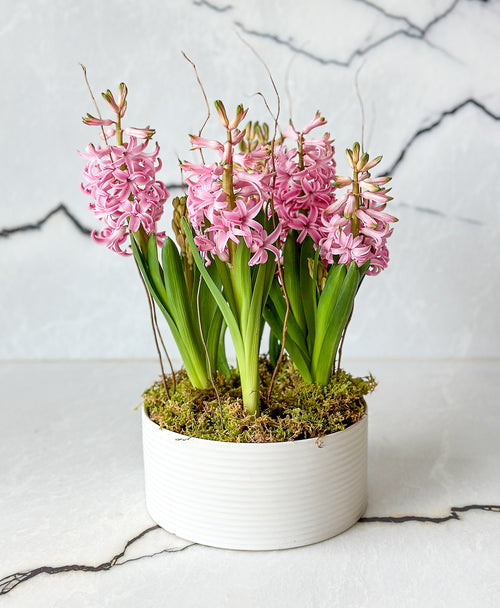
x=267, y=234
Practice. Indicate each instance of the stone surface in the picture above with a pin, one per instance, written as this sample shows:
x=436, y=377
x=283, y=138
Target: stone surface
x=75, y=531
x=428, y=78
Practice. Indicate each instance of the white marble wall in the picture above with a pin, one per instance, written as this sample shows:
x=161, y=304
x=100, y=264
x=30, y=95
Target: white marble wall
x=428, y=75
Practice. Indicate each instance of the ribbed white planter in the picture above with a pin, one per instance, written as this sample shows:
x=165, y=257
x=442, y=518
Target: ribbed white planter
x=255, y=495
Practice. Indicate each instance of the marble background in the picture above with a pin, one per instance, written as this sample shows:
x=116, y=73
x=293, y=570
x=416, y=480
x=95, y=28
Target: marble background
x=428, y=76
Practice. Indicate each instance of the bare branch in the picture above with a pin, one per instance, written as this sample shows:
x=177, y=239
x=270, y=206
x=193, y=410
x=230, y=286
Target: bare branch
x=204, y=97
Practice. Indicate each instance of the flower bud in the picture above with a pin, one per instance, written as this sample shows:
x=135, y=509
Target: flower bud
x=350, y=159
x=221, y=111
x=259, y=134
x=122, y=94
x=97, y=122
x=248, y=131
x=145, y=133
x=122, y=99
x=237, y=136
x=238, y=117
x=342, y=181
x=372, y=163
x=355, y=153
x=108, y=134
x=369, y=186
x=310, y=267
x=379, y=180
x=108, y=96
x=362, y=161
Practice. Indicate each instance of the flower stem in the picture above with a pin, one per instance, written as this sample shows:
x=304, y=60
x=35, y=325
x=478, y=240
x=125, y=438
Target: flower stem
x=119, y=132
x=355, y=191
x=250, y=380
x=228, y=187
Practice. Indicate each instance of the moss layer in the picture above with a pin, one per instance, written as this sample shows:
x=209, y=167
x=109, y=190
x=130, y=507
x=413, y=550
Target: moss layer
x=296, y=410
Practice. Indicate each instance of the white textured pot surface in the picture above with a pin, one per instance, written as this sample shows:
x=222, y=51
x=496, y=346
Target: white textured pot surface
x=255, y=496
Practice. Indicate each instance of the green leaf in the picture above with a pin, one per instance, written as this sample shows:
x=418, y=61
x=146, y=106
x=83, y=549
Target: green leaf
x=292, y=328
x=191, y=368
x=212, y=339
x=222, y=364
x=291, y=275
x=252, y=329
x=308, y=290
x=242, y=282
x=155, y=271
x=326, y=305
x=225, y=279
x=322, y=366
x=144, y=270
x=223, y=305
x=301, y=361
x=175, y=286
x=274, y=348
x=207, y=305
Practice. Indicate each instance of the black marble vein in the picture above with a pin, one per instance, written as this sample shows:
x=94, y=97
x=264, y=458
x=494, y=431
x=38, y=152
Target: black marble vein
x=468, y=102
x=214, y=7
x=61, y=208
x=10, y=582
x=454, y=511
x=419, y=31
x=411, y=31
x=441, y=214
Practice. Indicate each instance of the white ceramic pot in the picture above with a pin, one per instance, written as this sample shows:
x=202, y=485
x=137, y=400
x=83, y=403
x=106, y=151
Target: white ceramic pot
x=255, y=495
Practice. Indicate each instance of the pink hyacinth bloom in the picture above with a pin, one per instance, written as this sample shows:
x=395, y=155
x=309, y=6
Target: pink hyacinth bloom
x=121, y=181
x=215, y=220
x=263, y=243
x=304, y=184
x=350, y=248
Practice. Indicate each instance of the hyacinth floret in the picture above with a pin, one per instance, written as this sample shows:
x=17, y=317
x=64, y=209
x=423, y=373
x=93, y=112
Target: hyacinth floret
x=121, y=180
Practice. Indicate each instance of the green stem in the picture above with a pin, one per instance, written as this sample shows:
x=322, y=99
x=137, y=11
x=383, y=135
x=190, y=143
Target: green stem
x=250, y=381
x=119, y=132
x=355, y=191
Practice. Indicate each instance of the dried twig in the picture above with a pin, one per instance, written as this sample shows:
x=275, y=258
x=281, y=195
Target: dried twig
x=204, y=97
x=152, y=315
x=93, y=99
x=358, y=93
x=174, y=381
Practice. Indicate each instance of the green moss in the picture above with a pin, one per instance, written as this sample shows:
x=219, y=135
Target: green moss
x=296, y=410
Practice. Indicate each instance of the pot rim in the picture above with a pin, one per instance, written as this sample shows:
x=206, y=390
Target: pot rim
x=180, y=437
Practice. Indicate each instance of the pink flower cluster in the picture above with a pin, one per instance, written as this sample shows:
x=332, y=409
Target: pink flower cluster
x=303, y=186
x=121, y=179
x=367, y=217
x=353, y=228
x=217, y=217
